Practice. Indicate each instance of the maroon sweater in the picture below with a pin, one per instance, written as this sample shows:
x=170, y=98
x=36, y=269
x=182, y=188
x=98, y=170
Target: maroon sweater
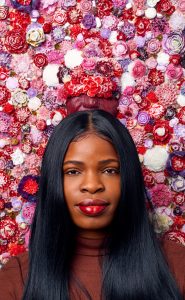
x=86, y=268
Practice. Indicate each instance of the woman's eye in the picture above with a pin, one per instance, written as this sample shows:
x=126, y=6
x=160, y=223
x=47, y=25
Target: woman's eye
x=72, y=172
x=111, y=171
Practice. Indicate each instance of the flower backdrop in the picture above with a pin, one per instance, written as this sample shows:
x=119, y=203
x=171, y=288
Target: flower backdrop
x=131, y=49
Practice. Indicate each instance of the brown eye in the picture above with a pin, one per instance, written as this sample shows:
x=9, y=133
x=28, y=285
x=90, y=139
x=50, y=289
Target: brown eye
x=72, y=172
x=111, y=171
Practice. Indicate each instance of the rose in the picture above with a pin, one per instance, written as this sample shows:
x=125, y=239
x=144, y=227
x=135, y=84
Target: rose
x=60, y=17
x=3, y=12
x=15, y=41
x=85, y=6
x=181, y=5
x=89, y=21
x=174, y=43
x=27, y=212
x=120, y=49
x=153, y=46
x=142, y=25
x=137, y=69
x=161, y=132
x=109, y=22
x=174, y=72
x=155, y=159
x=40, y=60
x=175, y=164
x=4, y=95
x=105, y=68
x=35, y=35
x=89, y=64
x=19, y=98
x=178, y=184
x=148, y=178
x=67, y=3
x=8, y=229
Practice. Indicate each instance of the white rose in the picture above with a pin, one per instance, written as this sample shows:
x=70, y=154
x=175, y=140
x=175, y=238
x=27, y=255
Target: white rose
x=163, y=58
x=150, y=13
x=155, y=158
x=181, y=100
x=34, y=103
x=127, y=80
x=17, y=157
x=50, y=75
x=73, y=58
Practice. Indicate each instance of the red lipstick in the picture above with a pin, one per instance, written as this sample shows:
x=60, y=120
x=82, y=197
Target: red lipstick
x=92, y=207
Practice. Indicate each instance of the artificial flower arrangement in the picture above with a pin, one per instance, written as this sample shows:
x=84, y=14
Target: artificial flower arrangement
x=50, y=50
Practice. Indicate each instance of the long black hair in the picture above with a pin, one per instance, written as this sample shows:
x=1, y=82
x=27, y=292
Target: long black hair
x=135, y=268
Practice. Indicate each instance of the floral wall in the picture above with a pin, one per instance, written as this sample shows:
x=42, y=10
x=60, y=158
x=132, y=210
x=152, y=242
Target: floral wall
x=131, y=49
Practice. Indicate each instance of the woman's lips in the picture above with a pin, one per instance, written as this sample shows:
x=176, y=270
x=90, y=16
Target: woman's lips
x=92, y=207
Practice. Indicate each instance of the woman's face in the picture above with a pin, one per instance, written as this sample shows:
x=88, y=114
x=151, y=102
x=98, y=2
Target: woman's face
x=91, y=183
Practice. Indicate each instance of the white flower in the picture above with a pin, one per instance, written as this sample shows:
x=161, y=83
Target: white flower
x=113, y=37
x=150, y=13
x=12, y=83
x=163, y=58
x=73, y=58
x=181, y=100
x=34, y=103
x=152, y=3
x=3, y=143
x=155, y=158
x=35, y=36
x=19, y=97
x=50, y=75
x=57, y=118
x=127, y=80
x=161, y=219
x=17, y=157
x=177, y=21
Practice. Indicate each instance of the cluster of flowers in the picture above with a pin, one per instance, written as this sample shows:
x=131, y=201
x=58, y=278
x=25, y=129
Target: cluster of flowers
x=53, y=49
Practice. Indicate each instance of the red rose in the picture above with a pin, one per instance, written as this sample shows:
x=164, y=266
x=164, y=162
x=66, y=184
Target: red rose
x=4, y=95
x=3, y=73
x=152, y=97
x=47, y=27
x=104, y=8
x=60, y=17
x=156, y=77
x=178, y=163
x=142, y=25
x=161, y=132
x=179, y=198
x=40, y=60
x=19, y=19
x=175, y=59
x=148, y=178
x=75, y=30
x=15, y=41
x=8, y=108
x=165, y=6
x=4, y=12
x=74, y=16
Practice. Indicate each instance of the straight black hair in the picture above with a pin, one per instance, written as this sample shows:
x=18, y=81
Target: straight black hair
x=135, y=268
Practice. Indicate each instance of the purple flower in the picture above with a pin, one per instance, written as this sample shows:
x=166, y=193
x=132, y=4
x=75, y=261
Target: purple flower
x=28, y=187
x=58, y=34
x=89, y=21
x=5, y=58
x=31, y=92
x=128, y=29
x=105, y=33
x=174, y=164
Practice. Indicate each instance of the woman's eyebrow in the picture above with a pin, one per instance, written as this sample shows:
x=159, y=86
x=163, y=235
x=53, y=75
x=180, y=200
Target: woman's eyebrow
x=101, y=162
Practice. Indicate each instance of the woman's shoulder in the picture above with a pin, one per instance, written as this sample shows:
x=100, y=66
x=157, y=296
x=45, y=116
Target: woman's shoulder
x=175, y=256
x=13, y=277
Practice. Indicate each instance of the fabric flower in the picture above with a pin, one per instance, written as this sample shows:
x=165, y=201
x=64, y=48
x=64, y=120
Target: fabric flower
x=162, y=219
x=155, y=159
x=27, y=212
x=178, y=184
x=15, y=41
x=137, y=69
x=176, y=164
x=73, y=58
x=35, y=35
x=161, y=195
x=28, y=187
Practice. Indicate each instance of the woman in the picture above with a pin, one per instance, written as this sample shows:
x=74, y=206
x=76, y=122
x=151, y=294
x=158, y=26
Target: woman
x=91, y=237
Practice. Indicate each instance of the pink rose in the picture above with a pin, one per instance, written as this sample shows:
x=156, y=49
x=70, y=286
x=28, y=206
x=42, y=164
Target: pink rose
x=120, y=49
x=27, y=213
x=129, y=90
x=174, y=72
x=181, y=5
x=138, y=69
x=151, y=62
x=88, y=64
x=153, y=46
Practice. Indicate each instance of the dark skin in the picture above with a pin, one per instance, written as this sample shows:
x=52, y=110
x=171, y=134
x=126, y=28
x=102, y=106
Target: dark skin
x=91, y=170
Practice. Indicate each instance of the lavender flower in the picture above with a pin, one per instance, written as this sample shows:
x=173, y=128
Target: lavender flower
x=89, y=21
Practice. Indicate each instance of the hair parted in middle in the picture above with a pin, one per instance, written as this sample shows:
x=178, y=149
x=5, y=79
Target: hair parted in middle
x=135, y=268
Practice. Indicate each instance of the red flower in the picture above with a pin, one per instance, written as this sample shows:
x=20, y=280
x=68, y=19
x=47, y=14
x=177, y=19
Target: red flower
x=175, y=59
x=162, y=132
x=2, y=204
x=16, y=249
x=8, y=229
x=40, y=60
x=181, y=115
x=3, y=73
x=178, y=163
x=104, y=8
x=156, y=77
x=179, y=198
x=74, y=16
x=47, y=27
x=19, y=20
x=148, y=178
x=128, y=14
x=8, y=108
x=142, y=25
x=165, y=6
x=30, y=187
x=152, y=97
x=15, y=41
x=4, y=12
x=4, y=95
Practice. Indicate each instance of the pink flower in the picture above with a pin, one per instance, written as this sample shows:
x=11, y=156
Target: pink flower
x=28, y=212
x=181, y=5
x=120, y=49
x=161, y=195
x=89, y=64
x=138, y=69
x=174, y=72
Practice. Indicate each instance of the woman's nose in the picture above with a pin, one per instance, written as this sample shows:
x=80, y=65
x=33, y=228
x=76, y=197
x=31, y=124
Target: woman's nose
x=92, y=183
